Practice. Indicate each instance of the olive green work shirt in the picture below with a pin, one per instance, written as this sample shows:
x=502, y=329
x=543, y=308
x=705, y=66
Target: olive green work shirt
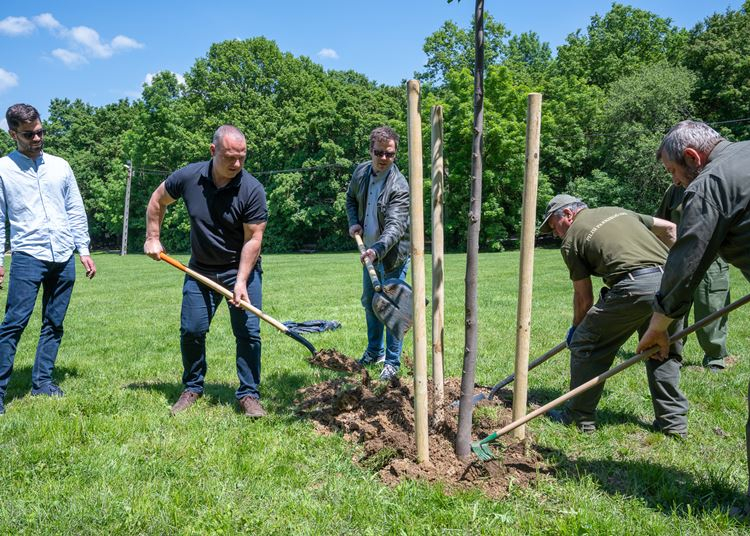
x=610, y=242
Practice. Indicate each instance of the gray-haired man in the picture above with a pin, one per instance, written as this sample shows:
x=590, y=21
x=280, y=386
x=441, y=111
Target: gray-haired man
x=715, y=221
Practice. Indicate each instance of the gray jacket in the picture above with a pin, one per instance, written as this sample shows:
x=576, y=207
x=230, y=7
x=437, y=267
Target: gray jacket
x=392, y=248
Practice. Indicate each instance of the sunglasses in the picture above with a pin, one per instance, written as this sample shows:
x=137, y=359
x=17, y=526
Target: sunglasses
x=29, y=135
x=387, y=154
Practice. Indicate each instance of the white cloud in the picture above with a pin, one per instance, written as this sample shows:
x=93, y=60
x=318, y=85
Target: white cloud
x=14, y=26
x=46, y=20
x=7, y=79
x=85, y=42
x=89, y=39
x=328, y=53
x=68, y=57
x=91, y=44
x=150, y=78
x=122, y=42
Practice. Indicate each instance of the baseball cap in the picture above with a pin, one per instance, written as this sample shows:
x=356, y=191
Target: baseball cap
x=555, y=204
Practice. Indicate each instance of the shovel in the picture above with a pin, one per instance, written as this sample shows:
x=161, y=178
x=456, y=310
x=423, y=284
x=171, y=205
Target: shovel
x=391, y=302
x=482, y=449
x=213, y=285
x=538, y=361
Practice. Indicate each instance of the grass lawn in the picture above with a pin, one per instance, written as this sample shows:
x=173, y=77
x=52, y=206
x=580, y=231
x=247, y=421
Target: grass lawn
x=108, y=457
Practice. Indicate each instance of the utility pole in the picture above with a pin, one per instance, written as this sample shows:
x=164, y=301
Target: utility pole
x=126, y=213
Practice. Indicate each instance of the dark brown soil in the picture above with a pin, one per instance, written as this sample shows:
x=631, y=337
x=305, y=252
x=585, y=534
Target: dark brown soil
x=379, y=416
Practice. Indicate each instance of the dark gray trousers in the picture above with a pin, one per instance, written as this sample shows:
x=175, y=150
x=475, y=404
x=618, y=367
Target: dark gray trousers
x=620, y=312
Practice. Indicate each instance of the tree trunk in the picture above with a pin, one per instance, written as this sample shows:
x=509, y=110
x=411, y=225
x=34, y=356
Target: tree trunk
x=465, y=410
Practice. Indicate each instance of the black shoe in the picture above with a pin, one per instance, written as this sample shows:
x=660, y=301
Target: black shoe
x=563, y=417
x=670, y=432
x=49, y=389
x=715, y=368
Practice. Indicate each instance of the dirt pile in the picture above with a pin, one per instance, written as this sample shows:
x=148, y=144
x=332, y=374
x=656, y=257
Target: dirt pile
x=379, y=416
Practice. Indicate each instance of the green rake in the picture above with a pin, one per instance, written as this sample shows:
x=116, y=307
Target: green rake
x=482, y=447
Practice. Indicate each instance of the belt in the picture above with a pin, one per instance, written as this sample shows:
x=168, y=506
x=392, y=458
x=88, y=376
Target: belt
x=637, y=273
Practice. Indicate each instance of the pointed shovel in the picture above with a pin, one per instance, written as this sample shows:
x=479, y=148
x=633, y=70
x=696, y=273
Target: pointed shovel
x=391, y=302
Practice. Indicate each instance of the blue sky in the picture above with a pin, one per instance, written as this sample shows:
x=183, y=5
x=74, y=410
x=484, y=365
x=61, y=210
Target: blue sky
x=104, y=51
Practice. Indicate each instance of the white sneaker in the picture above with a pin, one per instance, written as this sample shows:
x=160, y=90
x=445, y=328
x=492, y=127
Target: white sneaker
x=389, y=372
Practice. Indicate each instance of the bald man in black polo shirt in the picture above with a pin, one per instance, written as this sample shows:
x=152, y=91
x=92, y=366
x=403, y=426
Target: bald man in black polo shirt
x=228, y=214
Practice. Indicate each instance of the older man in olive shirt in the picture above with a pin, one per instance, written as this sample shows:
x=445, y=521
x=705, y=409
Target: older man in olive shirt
x=715, y=221
x=627, y=250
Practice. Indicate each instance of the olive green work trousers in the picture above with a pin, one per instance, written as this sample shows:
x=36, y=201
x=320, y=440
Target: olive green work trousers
x=620, y=312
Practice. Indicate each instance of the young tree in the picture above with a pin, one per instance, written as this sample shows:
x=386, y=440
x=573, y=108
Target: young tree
x=471, y=306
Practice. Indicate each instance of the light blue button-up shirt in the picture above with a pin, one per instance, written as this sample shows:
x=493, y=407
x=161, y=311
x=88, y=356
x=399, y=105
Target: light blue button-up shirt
x=41, y=200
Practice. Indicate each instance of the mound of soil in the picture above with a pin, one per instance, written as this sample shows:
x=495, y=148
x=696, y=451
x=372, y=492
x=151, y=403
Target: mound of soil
x=334, y=360
x=379, y=416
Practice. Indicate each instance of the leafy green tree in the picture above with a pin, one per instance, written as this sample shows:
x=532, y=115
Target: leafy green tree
x=718, y=51
x=503, y=155
x=7, y=144
x=91, y=140
x=571, y=113
x=525, y=52
x=640, y=108
x=451, y=48
x=618, y=44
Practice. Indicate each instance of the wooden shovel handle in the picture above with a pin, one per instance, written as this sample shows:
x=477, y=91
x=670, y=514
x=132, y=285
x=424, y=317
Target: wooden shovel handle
x=368, y=264
x=619, y=368
x=210, y=283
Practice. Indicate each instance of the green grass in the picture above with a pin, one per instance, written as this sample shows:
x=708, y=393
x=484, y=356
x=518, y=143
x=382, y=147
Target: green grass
x=108, y=458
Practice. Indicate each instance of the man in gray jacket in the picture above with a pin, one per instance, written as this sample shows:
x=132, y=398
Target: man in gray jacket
x=377, y=208
x=715, y=221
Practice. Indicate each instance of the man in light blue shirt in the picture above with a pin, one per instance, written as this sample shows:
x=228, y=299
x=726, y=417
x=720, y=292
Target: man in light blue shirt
x=39, y=198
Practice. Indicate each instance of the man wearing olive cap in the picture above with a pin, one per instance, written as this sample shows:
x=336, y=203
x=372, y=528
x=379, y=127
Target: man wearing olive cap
x=627, y=250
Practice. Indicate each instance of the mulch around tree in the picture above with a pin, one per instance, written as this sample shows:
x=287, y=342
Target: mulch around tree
x=379, y=417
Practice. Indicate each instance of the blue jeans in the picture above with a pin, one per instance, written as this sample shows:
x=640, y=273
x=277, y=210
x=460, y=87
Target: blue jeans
x=199, y=304
x=27, y=274
x=375, y=327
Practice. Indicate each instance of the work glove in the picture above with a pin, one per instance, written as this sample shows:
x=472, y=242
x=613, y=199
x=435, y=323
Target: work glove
x=569, y=335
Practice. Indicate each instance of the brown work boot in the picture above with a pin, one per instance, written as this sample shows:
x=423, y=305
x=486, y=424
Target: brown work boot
x=251, y=407
x=187, y=399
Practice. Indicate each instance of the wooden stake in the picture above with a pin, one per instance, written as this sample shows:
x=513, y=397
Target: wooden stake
x=526, y=272
x=417, y=271
x=438, y=297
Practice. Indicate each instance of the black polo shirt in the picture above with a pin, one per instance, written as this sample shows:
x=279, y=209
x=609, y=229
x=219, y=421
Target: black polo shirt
x=216, y=214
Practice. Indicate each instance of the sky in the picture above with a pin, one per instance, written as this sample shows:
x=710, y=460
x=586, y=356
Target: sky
x=101, y=52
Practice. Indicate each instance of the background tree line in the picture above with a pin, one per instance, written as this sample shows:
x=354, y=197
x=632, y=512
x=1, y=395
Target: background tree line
x=610, y=93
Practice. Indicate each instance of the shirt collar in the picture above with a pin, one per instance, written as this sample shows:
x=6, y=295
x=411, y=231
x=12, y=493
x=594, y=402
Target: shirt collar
x=718, y=149
x=38, y=160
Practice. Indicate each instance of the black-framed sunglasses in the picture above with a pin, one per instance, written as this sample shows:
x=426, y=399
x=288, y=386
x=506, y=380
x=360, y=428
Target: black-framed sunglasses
x=380, y=154
x=25, y=134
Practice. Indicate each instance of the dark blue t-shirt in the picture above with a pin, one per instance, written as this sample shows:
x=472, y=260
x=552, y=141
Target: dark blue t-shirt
x=216, y=214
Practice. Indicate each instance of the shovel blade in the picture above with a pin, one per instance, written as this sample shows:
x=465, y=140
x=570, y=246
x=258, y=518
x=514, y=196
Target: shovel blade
x=392, y=306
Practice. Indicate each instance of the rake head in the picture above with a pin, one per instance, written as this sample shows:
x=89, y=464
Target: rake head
x=482, y=448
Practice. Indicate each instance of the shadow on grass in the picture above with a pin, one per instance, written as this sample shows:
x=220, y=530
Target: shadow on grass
x=213, y=393
x=604, y=417
x=665, y=489
x=20, y=381
x=278, y=391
